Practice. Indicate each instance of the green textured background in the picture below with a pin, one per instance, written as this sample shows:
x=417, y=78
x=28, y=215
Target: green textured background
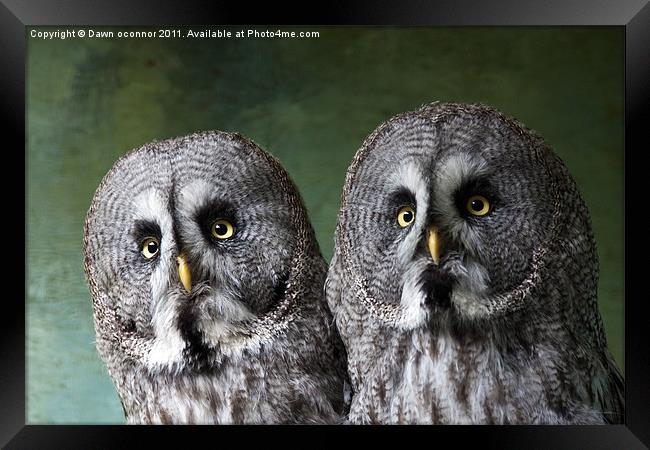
x=310, y=102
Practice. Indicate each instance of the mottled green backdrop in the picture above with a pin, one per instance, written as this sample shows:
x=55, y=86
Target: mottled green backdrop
x=310, y=102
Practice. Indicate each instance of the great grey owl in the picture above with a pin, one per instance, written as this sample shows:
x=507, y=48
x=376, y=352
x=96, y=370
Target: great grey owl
x=207, y=288
x=464, y=278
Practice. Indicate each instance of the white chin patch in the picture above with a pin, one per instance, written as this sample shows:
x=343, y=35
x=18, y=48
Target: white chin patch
x=468, y=304
x=219, y=317
x=168, y=343
x=414, y=312
x=468, y=296
x=222, y=318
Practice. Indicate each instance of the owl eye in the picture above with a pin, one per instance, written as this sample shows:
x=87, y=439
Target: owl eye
x=150, y=247
x=406, y=216
x=222, y=229
x=477, y=205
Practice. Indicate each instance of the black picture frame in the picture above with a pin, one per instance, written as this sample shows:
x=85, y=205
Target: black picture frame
x=633, y=15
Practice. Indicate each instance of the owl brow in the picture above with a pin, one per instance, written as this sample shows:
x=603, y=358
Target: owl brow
x=146, y=228
x=403, y=196
x=475, y=186
x=213, y=210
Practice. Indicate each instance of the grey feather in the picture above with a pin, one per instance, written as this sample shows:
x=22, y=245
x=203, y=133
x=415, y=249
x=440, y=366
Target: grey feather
x=506, y=328
x=253, y=340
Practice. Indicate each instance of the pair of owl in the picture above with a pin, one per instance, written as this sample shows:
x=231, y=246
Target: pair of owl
x=462, y=287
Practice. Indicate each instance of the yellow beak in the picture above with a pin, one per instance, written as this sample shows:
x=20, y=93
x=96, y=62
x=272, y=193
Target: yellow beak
x=184, y=273
x=434, y=244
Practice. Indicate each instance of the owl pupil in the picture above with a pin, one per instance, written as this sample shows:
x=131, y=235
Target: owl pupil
x=477, y=205
x=220, y=229
x=408, y=216
x=152, y=247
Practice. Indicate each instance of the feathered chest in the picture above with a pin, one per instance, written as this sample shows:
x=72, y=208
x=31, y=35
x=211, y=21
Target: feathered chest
x=421, y=378
x=255, y=390
x=233, y=395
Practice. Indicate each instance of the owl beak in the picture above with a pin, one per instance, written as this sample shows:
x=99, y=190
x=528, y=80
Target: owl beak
x=184, y=273
x=434, y=244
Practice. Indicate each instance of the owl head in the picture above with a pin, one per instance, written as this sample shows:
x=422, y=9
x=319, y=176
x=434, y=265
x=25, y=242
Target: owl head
x=195, y=248
x=457, y=212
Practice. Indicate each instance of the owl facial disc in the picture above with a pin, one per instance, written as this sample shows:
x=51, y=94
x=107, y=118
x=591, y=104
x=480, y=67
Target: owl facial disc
x=184, y=249
x=464, y=277
x=448, y=209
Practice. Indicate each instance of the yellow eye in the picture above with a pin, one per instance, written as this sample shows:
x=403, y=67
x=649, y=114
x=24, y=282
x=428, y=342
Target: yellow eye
x=406, y=216
x=222, y=229
x=150, y=247
x=477, y=205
